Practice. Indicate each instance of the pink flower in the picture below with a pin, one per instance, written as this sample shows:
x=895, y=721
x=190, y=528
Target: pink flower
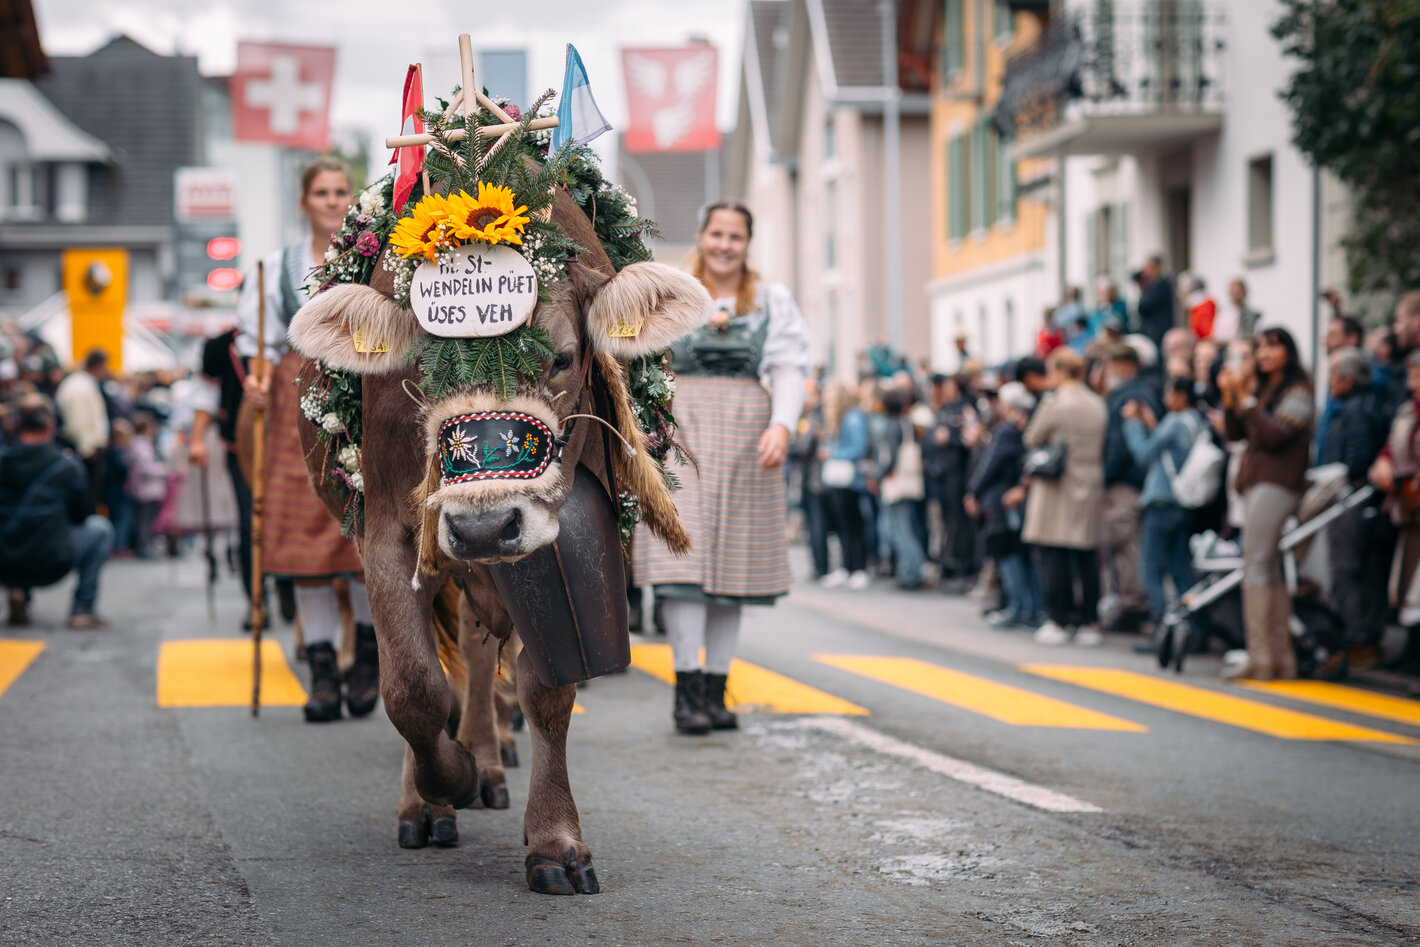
x=515, y=113
x=367, y=244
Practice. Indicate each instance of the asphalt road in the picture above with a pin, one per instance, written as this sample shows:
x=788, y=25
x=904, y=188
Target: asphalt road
x=935, y=782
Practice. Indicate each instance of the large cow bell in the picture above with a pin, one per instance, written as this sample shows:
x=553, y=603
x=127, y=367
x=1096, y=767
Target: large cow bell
x=568, y=599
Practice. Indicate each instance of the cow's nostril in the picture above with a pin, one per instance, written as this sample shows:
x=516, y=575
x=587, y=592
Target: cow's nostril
x=513, y=528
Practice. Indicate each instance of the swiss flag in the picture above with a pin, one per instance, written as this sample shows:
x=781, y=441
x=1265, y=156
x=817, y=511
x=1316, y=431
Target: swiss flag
x=411, y=157
x=670, y=95
x=281, y=94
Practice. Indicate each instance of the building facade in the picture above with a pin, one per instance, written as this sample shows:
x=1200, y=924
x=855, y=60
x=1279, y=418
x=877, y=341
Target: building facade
x=1158, y=129
x=808, y=154
x=88, y=151
x=991, y=274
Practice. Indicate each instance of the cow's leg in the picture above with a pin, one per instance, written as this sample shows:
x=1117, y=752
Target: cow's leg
x=558, y=861
x=477, y=730
x=505, y=697
x=412, y=681
x=419, y=822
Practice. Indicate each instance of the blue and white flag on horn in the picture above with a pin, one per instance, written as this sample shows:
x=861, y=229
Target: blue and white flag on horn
x=578, y=118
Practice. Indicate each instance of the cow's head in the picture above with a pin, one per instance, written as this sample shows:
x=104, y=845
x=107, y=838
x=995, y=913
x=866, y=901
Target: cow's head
x=497, y=515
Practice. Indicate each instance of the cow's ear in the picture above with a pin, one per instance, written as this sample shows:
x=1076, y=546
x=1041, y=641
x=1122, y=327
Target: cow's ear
x=644, y=308
x=354, y=328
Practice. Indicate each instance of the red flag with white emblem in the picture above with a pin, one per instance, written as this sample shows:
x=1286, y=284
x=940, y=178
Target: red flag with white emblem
x=281, y=94
x=670, y=95
x=411, y=157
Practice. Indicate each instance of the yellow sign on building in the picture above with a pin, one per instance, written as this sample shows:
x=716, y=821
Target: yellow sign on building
x=96, y=280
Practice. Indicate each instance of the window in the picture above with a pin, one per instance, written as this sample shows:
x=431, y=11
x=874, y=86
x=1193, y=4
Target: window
x=28, y=191
x=1005, y=183
x=1259, y=207
x=830, y=250
x=1010, y=326
x=979, y=216
x=1005, y=23
x=830, y=145
x=953, y=39
x=990, y=171
x=958, y=187
x=983, y=327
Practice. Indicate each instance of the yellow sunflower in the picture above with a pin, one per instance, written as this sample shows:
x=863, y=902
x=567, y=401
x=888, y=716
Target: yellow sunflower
x=491, y=217
x=425, y=230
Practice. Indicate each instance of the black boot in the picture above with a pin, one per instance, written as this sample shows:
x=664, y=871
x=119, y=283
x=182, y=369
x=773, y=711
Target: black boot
x=362, y=681
x=720, y=716
x=690, y=715
x=325, y=684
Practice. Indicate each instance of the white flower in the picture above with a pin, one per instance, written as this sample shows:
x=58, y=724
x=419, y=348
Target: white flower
x=461, y=445
x=510, y=441
x=371, y=200
x=349, y=458
x=332, y=423
x=313, y=406
x=330, y=254
x=357, y=480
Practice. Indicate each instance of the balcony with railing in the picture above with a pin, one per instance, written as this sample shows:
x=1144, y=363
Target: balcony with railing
x=1117, y=78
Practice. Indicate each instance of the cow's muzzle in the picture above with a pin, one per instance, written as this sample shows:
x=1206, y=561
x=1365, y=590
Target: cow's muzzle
x=492, y=534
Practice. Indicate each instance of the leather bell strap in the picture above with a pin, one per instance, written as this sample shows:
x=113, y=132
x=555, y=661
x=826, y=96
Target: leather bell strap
x=493, y=445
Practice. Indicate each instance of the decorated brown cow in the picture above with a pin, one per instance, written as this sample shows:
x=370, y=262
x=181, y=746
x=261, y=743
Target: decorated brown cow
x=491, y=357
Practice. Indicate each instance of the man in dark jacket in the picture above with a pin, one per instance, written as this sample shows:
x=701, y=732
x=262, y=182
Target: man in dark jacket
x=47, y=526
x=1123, y=479
x=945, y=458
x=1358, y=543
x=1156, y=301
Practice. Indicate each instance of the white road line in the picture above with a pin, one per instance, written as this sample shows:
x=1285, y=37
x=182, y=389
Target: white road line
x=960, y=770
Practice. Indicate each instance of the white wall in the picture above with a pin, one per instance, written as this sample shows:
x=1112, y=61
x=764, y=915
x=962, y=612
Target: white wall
x=1256, y=122
x=978, y=303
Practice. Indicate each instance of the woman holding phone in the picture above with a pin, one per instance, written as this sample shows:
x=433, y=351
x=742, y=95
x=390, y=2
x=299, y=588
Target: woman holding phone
x=1267, y=401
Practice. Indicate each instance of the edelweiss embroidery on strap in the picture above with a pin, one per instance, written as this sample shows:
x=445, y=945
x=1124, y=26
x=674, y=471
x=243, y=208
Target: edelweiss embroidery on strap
x=494, y=445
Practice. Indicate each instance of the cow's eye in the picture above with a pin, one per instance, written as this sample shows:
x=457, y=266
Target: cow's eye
x=561, y=363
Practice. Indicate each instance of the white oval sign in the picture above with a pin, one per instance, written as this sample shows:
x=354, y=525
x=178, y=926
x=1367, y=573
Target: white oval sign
x=487, y=290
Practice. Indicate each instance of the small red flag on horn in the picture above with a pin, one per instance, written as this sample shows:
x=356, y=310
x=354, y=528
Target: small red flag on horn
x=411, y=157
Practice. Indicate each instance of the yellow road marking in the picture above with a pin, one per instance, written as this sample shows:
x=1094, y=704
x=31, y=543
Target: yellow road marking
x=751, y=688
x=16, y=655
x=1399, y=709
x=1021, y=708
x=1211, y=705
x=216, y=672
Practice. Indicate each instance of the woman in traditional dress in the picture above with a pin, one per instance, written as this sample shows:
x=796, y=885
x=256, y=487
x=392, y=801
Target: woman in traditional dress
x=739, y=392
x=301, y=539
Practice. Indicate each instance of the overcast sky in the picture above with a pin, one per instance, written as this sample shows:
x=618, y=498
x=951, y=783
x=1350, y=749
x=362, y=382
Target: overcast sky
x=375, y=43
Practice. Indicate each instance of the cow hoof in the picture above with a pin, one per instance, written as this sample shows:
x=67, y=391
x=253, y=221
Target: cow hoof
x=509, y=752
x=495, y=797
x=546, y=876
x=473, y=800
x=414, y=834
x=584, y=877
x=516, y=720
x=444, y=832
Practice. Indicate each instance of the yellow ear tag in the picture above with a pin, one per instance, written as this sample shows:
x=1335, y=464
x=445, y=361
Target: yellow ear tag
x=364, y=346
x=626, y=330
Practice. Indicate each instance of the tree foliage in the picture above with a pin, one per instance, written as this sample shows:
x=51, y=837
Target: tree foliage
x=1355, y=101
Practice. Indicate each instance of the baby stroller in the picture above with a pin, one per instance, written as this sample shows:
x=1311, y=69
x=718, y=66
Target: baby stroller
x=1213, y=606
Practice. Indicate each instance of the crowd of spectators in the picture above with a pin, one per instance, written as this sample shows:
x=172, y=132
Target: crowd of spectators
x=1050, y=485
x=88, y=469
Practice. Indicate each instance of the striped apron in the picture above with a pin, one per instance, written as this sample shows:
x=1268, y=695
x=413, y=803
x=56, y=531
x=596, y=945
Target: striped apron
x=734, y=511
x=301, y=537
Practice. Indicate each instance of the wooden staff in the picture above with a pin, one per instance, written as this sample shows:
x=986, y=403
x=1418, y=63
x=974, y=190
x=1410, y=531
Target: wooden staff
x=458, y=134
x=258, y=494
